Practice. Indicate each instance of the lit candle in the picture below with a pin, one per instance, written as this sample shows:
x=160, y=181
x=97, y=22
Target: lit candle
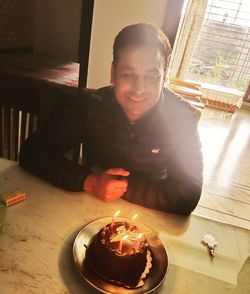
x=121, y=241
x=132, y=219
x=137, y=239
x=114, y=216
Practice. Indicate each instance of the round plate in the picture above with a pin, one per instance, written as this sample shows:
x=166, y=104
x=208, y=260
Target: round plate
x=157, y=272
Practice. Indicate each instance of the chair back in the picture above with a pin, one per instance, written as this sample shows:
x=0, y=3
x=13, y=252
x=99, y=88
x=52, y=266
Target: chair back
x=15, y=125
x=25, y=107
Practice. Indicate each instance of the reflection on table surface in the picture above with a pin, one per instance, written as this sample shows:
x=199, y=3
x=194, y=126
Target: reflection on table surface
x=39, y=232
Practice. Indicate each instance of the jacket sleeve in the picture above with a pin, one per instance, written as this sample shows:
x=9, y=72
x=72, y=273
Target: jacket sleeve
x=180, y=191
x=43, y=153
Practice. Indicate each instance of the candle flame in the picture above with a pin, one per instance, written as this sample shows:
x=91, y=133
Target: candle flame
x=139, y=236
x=131, y=221
x=116, y=214
x=125, y=237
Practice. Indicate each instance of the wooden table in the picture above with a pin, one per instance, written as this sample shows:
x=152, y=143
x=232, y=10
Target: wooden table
x=39, y=232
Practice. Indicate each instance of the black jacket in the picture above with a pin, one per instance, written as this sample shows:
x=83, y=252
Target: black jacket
x=162, y=150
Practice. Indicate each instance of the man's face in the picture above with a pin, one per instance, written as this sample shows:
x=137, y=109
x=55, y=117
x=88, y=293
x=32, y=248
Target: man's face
x=138, y=79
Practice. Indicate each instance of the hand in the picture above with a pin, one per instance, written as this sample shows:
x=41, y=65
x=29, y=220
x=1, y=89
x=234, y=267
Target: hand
x=108, y=185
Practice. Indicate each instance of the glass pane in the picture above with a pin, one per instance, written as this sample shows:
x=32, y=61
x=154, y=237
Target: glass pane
x=222, y=54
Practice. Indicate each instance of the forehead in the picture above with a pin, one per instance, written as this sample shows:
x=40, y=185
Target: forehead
x=140, y=57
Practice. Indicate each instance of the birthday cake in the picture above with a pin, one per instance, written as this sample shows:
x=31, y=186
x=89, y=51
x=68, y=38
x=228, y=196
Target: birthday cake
x=119, y=254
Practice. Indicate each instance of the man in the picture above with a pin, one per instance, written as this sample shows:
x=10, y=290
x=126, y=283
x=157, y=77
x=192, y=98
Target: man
x=140, y=140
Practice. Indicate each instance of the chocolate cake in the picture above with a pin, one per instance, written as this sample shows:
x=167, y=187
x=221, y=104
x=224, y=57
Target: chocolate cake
x=119, y=254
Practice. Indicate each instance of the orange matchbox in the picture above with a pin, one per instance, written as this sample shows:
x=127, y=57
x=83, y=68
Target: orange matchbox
x=11, y=197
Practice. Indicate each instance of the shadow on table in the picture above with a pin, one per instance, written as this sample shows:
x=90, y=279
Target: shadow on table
x=72, y=279
x=177, y=224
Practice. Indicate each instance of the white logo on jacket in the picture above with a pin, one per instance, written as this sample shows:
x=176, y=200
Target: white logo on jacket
x=155, y=151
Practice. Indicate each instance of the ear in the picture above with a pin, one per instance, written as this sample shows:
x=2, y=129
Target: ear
x=165, y=77
x=112, y=73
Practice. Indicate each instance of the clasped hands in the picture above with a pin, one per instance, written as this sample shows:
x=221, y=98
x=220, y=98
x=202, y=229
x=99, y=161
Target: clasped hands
x=107, y=185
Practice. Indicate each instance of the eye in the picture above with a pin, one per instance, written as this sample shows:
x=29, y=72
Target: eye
x=153, y=77
x=126, y=75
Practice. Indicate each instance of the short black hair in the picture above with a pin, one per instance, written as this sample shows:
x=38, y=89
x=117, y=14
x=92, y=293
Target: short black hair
x=142, y=34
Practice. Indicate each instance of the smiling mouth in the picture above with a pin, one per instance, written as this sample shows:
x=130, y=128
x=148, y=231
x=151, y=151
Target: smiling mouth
x=136, y=99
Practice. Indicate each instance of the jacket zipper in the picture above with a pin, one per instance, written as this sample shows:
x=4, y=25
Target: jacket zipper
x=130, y=145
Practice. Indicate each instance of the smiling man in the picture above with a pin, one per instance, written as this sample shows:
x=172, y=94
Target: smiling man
x=140, y=140
x=138, y=79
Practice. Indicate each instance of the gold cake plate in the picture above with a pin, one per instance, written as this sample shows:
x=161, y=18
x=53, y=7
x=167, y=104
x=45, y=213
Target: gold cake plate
x=155, y=277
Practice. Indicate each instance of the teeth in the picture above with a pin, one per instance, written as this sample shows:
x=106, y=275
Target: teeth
x=136, y=99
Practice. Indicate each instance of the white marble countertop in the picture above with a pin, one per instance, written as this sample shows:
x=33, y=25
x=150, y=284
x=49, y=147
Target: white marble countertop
x=38, y=235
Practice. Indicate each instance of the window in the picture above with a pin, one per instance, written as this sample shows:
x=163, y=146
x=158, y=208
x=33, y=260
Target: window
x=222, y=53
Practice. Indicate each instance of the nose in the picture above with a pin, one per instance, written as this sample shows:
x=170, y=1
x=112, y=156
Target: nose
x=139, y=85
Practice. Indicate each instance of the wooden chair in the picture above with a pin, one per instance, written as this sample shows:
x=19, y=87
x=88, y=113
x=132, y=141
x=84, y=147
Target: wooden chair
x=25, y=106
x=18, y=117
x=32, y=89
x=16, y=125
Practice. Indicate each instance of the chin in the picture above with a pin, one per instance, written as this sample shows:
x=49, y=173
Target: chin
x=134, y=116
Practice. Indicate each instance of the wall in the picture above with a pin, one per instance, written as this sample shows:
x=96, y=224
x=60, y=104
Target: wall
x=109, y=17
x=16, y=24
x=57, y=28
